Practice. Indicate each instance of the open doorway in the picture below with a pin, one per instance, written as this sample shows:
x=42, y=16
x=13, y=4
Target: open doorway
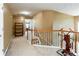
x=28, y=29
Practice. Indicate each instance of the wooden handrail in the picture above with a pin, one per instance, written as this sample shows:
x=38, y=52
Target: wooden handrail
x=48, y=30
x=62, y=31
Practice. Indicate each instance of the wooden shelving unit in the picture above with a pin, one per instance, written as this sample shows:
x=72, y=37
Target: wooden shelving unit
x=18, y=29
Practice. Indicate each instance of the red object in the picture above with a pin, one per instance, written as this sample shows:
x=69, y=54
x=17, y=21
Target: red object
x=67, y=40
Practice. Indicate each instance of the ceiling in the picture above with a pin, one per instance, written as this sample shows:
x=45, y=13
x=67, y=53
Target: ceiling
x=67, y=8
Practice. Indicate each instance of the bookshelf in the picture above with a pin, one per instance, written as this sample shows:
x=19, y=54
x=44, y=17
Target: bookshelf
x=18, y=29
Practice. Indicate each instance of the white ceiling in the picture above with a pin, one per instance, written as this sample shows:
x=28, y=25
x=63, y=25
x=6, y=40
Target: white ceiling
x=67, y=8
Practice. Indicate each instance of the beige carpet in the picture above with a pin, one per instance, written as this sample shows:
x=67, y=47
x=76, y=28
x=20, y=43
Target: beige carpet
x=20, y=46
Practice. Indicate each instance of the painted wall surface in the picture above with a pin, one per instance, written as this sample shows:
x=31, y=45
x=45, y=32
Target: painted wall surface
x=8, y=27
x=47, y=19
x=63, y=21
x=18, y=19
x=38, y=21
x=44, y=19
x=76, y=21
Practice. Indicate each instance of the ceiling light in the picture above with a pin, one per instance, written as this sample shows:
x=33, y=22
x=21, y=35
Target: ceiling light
x=25, y=13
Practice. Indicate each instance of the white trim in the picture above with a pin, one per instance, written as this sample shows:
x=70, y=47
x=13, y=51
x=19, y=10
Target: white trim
x=45, y=46
x=4, y=53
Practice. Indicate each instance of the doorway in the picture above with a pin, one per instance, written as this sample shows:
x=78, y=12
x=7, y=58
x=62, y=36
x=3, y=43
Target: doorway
x=28, y=29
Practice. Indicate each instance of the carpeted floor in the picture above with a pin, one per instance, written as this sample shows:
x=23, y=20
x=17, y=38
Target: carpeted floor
x=20, y=46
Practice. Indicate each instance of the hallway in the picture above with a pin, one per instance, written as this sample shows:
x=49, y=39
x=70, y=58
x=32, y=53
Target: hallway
x=47, y=27
x=20, y=46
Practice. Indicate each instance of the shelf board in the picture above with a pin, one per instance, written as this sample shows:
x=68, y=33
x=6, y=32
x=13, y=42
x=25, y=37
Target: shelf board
x=18, y=29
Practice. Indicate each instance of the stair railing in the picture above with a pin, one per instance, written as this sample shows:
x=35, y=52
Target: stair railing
x=46, y=37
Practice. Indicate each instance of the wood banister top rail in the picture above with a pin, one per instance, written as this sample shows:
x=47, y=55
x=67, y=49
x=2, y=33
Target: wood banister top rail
x=48, y=30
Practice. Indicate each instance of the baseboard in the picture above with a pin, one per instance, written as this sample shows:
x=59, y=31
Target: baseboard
x=6, y=50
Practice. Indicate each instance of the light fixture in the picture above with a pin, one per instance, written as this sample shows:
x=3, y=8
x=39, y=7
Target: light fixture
x=25, y=13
